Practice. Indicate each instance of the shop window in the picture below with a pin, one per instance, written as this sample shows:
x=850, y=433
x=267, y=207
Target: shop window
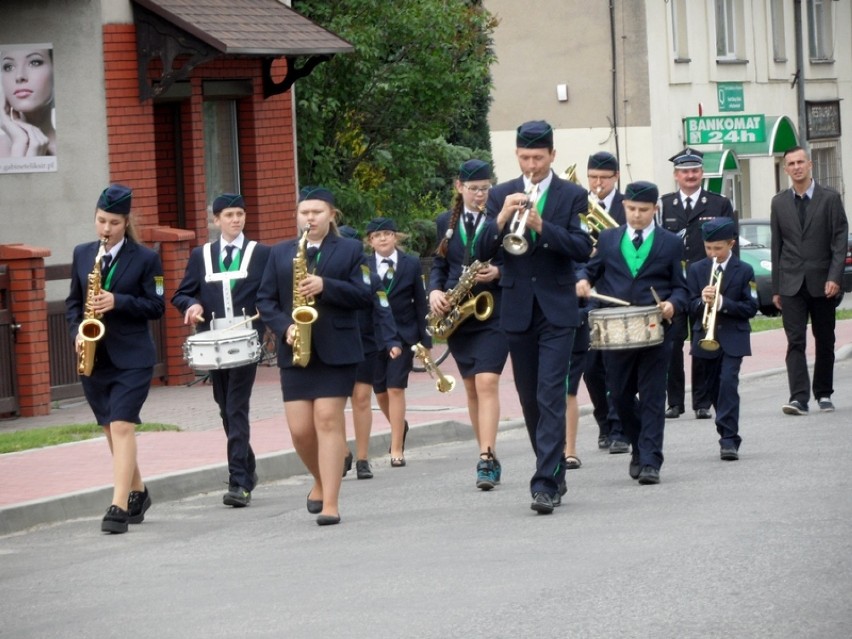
x=826, y=163
x=821, y=30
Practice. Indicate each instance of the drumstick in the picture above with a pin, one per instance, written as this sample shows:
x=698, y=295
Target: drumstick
x=245, y=321
x=607, y=298
x=658, y=300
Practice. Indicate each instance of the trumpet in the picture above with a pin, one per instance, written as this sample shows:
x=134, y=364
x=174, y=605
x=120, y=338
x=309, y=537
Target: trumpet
x=711, y=310
x=515, y=242
x=444, y=383
x=596, y=218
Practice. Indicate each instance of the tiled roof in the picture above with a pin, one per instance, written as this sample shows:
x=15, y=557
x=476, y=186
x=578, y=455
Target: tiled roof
x=248, y=27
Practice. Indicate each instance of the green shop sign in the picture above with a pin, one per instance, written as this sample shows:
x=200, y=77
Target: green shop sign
x=719, y=129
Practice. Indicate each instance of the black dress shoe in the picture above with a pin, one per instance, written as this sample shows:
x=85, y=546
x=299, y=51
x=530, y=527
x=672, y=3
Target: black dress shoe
x=729, y=454
x=543, y=503
x=673, y=412
x=649, y=475
x=703, y=413
x=362, y=467
x=314, y=506
x=137, y=504
x=563, y=488
x=115, y=521
x=618, y=447
x=328, y=520
x=347, y=463
x=635, y=466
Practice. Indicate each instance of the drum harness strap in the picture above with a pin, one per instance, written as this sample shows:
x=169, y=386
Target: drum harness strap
x=227, y=276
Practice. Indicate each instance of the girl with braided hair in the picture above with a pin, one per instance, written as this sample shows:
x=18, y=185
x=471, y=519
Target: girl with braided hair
x=479, y=347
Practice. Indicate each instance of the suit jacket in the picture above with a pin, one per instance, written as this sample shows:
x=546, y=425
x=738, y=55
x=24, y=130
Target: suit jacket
x=616, y=209
x=609, y=273
x=545, y=273
x=739, y=305
x=814, y=254
x=446, y=271
x=336, y=336
x=706, y=206
x=407, y=298
x=137, y=285
x=194, y=289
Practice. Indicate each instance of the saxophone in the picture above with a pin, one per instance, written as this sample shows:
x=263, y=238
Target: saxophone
x=91, y=329
x=303, y=315
x=463, y=304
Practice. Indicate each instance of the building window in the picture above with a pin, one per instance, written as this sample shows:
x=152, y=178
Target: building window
x=779, y=47
x=821, y=30
x=826, y=161
x=221, y=150
x=680, y=34
x=729, y=31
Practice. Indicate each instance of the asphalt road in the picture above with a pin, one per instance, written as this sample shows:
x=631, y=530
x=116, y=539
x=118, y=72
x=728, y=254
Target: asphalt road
x=756, y=548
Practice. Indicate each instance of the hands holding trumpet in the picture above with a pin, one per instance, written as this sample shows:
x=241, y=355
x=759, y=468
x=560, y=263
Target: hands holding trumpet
x=516, y=206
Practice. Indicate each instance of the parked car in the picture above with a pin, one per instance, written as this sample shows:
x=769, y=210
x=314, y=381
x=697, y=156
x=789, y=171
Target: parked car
x=759, y=258
x=759, y=232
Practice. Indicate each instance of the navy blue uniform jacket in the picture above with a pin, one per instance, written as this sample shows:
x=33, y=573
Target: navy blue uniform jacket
x=739, y=305
x=545, y=273
x=138, y=298
x=407, y=297
x=707, y=206
x=194, y=289
x=336, y=336
x=609, y=274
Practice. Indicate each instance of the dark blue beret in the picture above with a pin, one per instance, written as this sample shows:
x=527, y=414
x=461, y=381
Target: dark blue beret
x=348, y=231
x=536, y=134
x=642, y=192
x=603, y=161
x=719, y=228
x=227, y=201
x=687, y=159
x=474, y=170
x=116, y=199
x=316, y=193
x=381, y=224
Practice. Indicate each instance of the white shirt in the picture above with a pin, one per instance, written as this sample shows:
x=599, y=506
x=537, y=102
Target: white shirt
x=381, y=267
x=237, y=243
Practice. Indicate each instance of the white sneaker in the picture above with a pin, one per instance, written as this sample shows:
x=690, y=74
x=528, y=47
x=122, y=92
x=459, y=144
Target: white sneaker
x=825, y=405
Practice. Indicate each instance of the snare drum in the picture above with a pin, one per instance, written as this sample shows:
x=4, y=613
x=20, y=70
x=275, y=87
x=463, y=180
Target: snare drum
x=612, y=329
x=226, y=348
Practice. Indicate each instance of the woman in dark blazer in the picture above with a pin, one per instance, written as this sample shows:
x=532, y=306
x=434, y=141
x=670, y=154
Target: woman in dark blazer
x=479, y=347
x=315, y=395
x=131, y=294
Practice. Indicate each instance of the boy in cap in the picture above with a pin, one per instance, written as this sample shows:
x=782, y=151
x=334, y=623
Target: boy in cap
x=602, y=173
x=539, y=311
x=630, y=261
x=221, y=280
x=683, y=212
x=731, y=290
x=402, y=283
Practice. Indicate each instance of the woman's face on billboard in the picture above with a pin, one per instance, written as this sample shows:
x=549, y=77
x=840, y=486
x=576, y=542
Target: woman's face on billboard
x=27, y=79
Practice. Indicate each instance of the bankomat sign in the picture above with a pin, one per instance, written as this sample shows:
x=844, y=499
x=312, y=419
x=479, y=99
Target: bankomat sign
x=718, y=129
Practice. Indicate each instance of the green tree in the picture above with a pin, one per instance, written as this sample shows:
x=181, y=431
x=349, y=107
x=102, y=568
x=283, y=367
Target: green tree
x=387, y=126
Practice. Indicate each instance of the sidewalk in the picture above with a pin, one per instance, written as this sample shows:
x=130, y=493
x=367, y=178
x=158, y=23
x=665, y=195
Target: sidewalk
x=74, y=480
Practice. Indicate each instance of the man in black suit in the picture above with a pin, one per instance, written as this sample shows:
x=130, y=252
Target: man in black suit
x=809, y=241
x=221, y=280
x=602, y=173
x=683, y=212
x=539, y=304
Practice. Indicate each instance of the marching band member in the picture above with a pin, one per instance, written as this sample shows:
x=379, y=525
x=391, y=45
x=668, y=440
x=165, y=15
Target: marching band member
x=479, y=347
x=629, y=261
x=315, y=395
x=730, y=325
x=200, y=299
x=539, y=303
x=402, y=281
x=131, y=293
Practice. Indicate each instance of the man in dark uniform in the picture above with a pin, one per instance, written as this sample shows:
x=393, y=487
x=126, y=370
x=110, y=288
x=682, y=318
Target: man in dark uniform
x=683, y=212
x=221, y=280
x=602, y=173
x=539, y=306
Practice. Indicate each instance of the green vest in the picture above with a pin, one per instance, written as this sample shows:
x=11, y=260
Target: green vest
x=634, y=257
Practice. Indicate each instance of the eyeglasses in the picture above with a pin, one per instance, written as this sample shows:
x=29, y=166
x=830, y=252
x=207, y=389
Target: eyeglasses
x=479, y=190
